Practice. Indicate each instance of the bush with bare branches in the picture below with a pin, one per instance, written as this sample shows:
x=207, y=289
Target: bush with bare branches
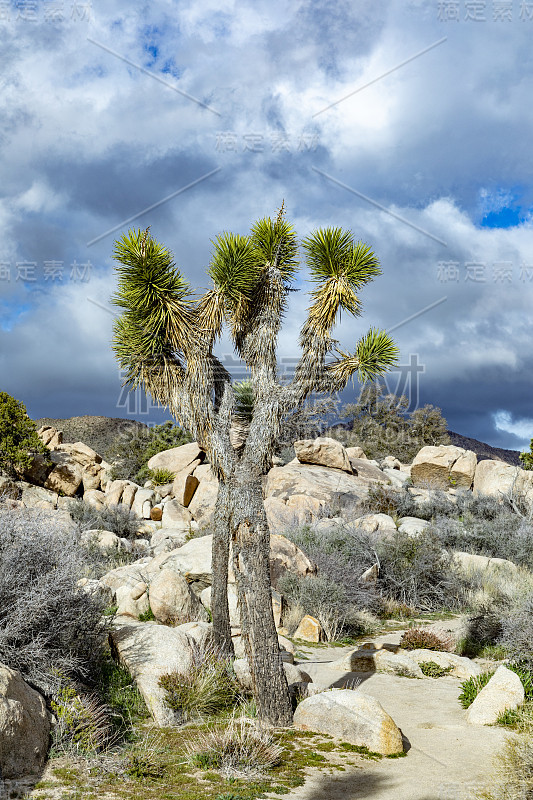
x=47, y=621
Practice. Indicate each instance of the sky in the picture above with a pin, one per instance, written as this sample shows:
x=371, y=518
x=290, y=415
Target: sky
x=408, y=122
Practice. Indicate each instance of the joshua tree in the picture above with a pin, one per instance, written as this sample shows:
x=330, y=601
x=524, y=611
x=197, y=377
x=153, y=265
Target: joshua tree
x=165, y=338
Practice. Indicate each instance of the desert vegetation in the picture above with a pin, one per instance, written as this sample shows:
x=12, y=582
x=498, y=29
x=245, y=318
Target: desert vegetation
x=18, y=437
x=380, y=423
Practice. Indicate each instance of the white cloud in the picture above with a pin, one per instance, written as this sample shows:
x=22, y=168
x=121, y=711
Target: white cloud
x=39, y=197
x=522, y=428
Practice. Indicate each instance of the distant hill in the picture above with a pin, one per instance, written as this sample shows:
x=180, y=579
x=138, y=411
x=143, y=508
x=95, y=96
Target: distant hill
x=97, y=432
x=485, y=451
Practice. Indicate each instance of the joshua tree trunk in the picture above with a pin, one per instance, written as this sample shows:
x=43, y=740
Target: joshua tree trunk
x=220, y=560
x=251, y=563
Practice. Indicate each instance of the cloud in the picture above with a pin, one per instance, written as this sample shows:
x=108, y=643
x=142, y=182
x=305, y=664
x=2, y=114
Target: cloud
x=521, y=428
x=89, y=140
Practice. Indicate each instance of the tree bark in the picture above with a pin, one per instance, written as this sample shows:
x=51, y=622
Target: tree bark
x=251, y=562
x=220, y=560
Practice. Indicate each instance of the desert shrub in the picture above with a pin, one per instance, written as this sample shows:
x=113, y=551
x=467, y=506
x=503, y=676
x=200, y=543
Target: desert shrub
x=500, y=589
x=338, y=551
x=392, y=609
x=527, y=458
x=132, y=449
x=160, y=477
x=479, y=506
x=83, y=725
x=380, y=423
x=208, y=686
x=335, y=597
x=326, y=600
x=422, y=639
x=118, y=519
x=438, y=504
x=115, y=686
x=503, y=535
x=141, y=767
x=142, y=763
x=483, y=630
x=513, y=779
x=416, y=571
x=432, y=670
x=101, y=560
x=239, y=748
x=517, y=632
x=383, y=499
x=47, y=622
x=18, y=436
x=472, y=687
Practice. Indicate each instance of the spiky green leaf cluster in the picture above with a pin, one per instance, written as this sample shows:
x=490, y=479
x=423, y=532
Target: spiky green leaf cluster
x=276, y=242
x=155, y=296
x=244, y=400
x=339, y=267
x=332, y=253
x=375, y=353
x=156, y=323
x=234, y=268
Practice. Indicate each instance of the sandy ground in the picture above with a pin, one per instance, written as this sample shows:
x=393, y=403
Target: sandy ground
x=447, y=759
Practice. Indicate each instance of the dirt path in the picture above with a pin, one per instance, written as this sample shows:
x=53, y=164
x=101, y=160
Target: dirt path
x=447, y=759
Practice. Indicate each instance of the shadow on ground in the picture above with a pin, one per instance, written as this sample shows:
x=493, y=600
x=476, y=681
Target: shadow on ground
x=358, y=784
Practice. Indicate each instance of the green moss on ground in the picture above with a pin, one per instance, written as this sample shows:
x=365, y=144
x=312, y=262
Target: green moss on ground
x=163, y=771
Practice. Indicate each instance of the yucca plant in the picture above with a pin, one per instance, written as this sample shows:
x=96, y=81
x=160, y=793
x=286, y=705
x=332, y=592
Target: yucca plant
x=165, y=339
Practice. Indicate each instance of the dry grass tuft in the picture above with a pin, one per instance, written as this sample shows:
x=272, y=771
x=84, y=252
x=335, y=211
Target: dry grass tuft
x=241, y=748
x=513, y=778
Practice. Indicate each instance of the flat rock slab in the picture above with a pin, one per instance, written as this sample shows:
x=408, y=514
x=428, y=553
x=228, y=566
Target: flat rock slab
x=444, y=759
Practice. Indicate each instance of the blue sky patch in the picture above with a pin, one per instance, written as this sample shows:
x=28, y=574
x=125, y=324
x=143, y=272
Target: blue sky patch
x=505, y=218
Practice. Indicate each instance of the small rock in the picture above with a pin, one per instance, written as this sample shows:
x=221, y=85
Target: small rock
x=412, y=526
x=390, y=462
x=174, y=514
x=130, y=603
x=177, y=458
x=309, y=630
x=470, y=562
x=375, y=522
x=323, y=451
x=172, y=601
x=143, y=496
x=355, y=452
